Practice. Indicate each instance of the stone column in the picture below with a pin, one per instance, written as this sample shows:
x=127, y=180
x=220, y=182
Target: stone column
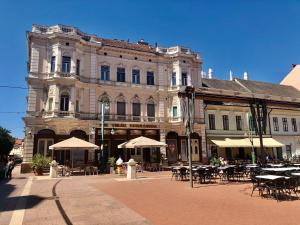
x=92, y=100
x=32, y=92
x=163, y=150
x=58, y=60
x=203, y=146
x=72, y=100
x=28, y=150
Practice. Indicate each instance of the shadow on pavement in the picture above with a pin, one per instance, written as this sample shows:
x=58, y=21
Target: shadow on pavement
x=11, y=203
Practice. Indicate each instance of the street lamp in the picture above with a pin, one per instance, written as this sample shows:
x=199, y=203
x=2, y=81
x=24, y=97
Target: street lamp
x=187, y=100
x=104, y=106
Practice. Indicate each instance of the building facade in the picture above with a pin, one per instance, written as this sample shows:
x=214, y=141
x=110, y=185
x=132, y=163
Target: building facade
x=227, y=120
x=74, y=78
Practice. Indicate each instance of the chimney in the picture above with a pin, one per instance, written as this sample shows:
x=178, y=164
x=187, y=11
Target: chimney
x=210, y=73
x=246, y=77
x=203, y=74
x=230, y=75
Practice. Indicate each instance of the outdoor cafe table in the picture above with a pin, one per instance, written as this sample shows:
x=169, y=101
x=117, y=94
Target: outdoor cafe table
x=283, y=169
x=269, y=177
x=295, y=174
x=275, y=165
x=252, y=166
x=225, y=167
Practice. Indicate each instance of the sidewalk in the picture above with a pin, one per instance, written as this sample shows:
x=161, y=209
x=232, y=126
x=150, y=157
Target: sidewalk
x=72, y=200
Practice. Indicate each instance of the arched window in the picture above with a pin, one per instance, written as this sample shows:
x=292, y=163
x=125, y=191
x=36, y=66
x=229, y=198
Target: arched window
x=64, y=102
x=151, y=110
x=136, y=109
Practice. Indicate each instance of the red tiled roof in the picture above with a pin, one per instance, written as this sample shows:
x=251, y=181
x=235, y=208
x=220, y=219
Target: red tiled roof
x=18, y=141
x=127, y=45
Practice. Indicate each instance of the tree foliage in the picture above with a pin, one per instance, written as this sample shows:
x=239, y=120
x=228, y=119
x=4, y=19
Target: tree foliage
x=6, y=141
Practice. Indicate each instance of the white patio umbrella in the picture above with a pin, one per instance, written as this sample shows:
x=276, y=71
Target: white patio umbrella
x=142, y=142
x=73, y=144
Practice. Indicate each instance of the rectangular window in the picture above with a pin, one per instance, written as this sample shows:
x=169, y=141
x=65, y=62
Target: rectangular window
x=52, y=64
x=174, y=79
x=77, y=67
x=175, y=112
x=50, y=104
x=66, y=64
x=105, y=73
x=288, y=150
x=294, y=124
x=121, y=108
x=238, y=122
x=150, y=78
x=77, y=106
x=121, y=75
x=225, y=122
x=275, y=124
x=184, y=79
x=135, y=76
x=151, y=112
x=43, y=147
x=285, y=125
x=64, y=103
x=211, y=121
x=136, y=111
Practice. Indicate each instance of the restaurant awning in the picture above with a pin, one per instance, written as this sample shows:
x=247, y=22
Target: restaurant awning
x=74, y=143
x=245, y=143
x=141, y=142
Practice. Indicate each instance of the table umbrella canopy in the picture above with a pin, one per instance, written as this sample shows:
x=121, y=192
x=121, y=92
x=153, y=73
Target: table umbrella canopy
x=74, y=143
x=141, y=142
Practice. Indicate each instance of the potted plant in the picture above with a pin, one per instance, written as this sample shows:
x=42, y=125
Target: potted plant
x=112, y=162
x=215, y=161
x=39, y=162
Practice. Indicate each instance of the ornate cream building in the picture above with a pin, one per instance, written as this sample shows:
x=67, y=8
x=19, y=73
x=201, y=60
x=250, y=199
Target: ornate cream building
x=71, y=74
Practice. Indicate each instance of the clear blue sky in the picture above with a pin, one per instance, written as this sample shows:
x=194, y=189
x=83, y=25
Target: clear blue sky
x=261, y=37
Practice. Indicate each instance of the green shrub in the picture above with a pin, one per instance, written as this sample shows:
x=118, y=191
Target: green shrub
x=111, y=161
x=215, y=161
x=39, y=161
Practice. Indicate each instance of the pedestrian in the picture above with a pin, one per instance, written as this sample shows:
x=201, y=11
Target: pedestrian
x=9, y=167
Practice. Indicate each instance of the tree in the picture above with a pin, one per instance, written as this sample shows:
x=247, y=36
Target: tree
x=6, y=142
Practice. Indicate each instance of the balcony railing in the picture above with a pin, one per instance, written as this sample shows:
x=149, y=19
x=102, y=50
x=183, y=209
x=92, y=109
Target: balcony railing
x=110, y=117
x=102, y=82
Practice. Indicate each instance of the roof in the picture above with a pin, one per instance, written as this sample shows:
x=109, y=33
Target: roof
x=270, y=88
x=18, y=141
x=251, y=86
x=127, y=45
x=222, y=84
x=73, y=143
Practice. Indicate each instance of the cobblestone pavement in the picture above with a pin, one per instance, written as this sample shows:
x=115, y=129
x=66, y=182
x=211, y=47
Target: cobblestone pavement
x=73, y=200
x=167, y=202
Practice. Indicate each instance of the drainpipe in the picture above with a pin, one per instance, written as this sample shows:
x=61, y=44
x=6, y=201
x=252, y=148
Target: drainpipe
x=205, y=131
x=270, y=122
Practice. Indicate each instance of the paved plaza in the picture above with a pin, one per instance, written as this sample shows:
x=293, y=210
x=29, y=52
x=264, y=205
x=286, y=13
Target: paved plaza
x=151, y=199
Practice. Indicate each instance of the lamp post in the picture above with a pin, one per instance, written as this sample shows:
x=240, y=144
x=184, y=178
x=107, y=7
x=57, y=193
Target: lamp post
x=187, y=100
x=104, y=106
